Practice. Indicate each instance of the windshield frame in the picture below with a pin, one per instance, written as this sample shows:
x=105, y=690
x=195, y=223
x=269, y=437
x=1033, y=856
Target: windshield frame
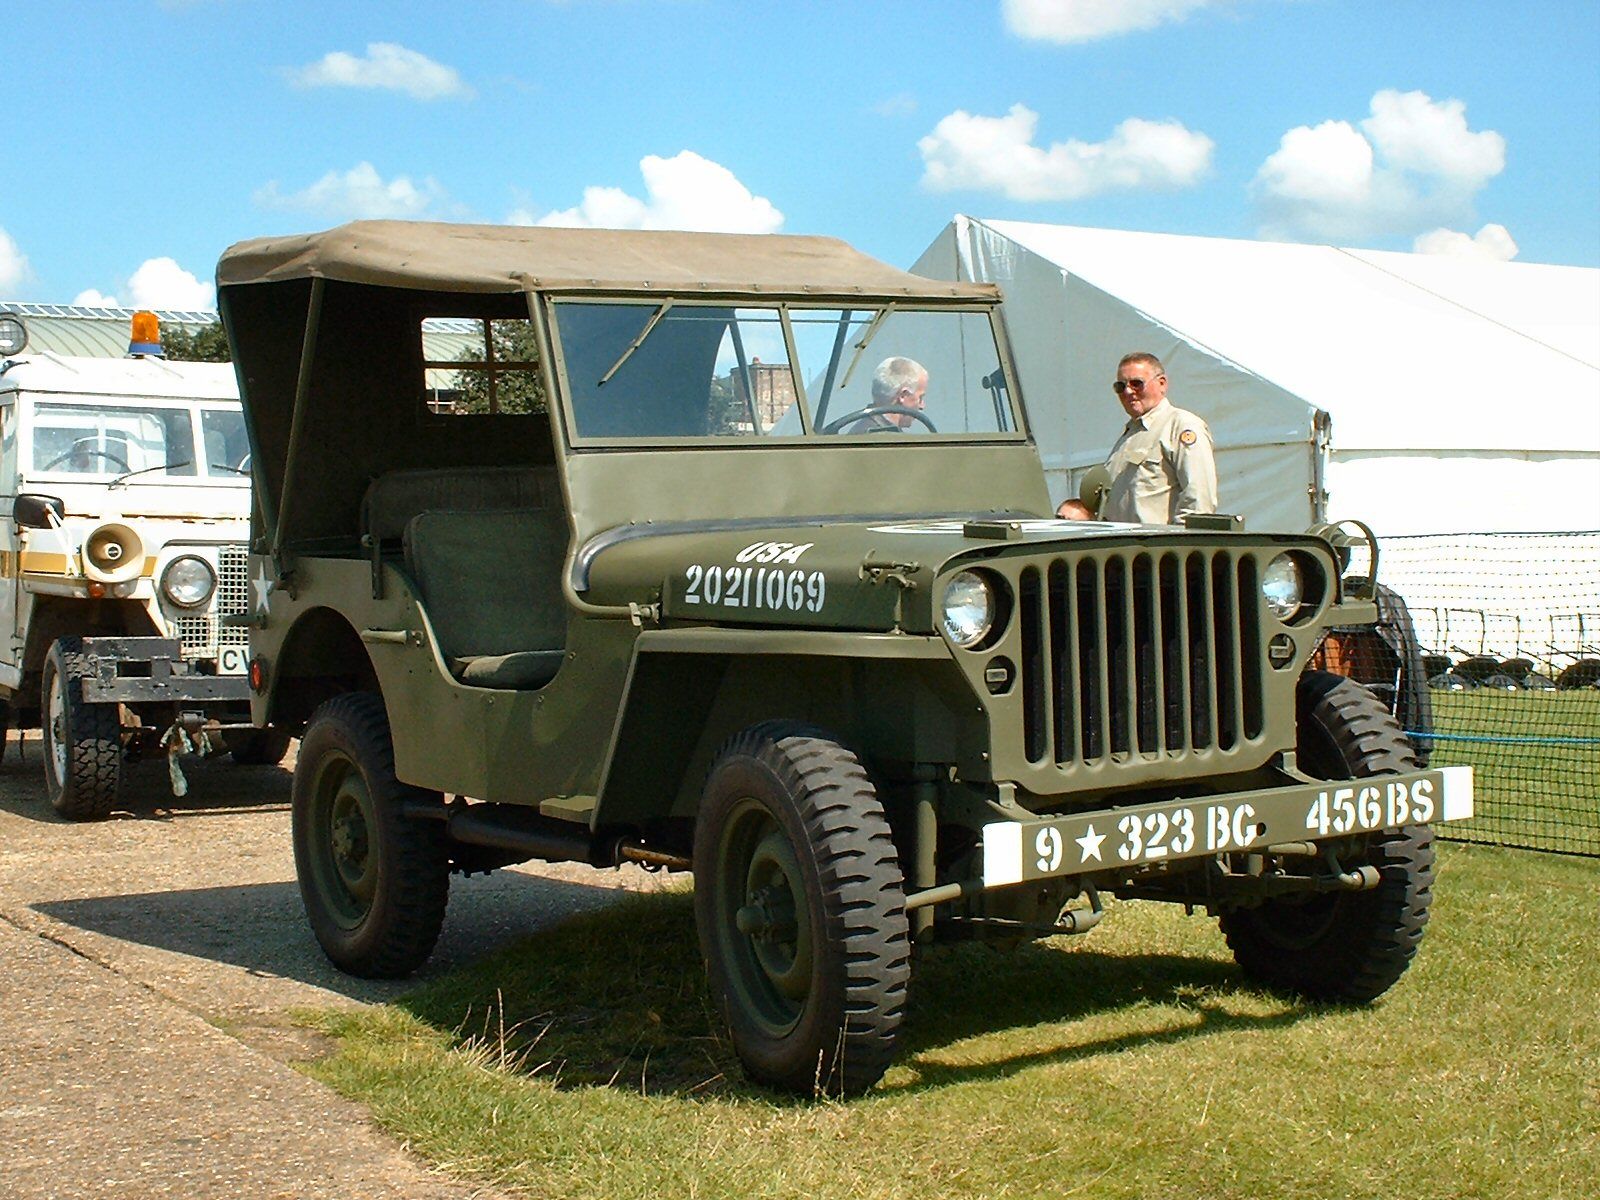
x=782, y=307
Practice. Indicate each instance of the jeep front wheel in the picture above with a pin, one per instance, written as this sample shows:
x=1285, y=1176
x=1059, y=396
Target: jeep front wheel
x=375, y=879
x=1344, y=946
x=800, y=906
x=82, y=739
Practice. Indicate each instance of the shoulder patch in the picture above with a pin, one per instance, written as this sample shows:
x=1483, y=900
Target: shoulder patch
x=1187, y=437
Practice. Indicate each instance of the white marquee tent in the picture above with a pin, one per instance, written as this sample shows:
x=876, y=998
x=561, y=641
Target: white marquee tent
x=1453, y=395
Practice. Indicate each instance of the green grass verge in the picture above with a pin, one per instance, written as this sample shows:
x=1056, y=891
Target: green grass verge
x=1129, y=1063
x=1542, y=792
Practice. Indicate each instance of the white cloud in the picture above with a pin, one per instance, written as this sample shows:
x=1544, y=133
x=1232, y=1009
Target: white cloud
x=997, y=154
x=13, y=263
x=388, y=67
x=1068, y=21
x=359, y=193
x=91, y=298
x=162, y=283
x=1412, y=164
x=682, y=192
x=1492, y=242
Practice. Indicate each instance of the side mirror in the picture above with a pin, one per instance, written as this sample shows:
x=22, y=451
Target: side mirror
x=34, y=511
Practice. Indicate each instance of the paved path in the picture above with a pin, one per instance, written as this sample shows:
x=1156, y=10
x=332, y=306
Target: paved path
x=127, y=947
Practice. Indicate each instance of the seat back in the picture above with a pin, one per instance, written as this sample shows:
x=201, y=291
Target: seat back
x=392, y=500
x=490, y=581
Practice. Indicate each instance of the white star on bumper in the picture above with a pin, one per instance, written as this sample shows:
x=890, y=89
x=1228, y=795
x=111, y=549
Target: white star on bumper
x=1089, y=844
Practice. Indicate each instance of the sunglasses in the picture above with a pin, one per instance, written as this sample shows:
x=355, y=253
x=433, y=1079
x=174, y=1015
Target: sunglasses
x=1123, y=385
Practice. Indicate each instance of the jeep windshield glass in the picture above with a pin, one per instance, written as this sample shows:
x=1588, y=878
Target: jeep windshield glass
x=91, y=441
x=699, y=371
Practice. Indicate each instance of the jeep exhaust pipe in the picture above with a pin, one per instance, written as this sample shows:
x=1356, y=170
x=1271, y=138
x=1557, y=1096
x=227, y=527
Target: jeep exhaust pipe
x=525, y=832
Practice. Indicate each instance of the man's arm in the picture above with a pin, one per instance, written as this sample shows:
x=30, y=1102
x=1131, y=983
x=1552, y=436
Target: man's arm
x=1194, y=462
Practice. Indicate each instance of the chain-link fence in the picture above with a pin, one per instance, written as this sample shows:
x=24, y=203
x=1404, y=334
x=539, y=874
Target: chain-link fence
x=1505, y=677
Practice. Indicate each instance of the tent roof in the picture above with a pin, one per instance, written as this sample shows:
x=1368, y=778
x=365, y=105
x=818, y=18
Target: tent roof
x=502, y=258
x=1405, y=351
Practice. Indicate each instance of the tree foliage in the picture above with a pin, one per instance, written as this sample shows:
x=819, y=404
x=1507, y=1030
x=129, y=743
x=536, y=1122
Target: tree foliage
x=209, y=343
x=518, y=389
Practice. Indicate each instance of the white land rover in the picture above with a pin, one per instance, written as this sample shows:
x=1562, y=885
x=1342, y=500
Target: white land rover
x=129, y=487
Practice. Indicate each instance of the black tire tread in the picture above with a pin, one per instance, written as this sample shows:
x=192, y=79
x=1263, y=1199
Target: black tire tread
x=1346, y=732
x=864, y=897
x=94, y=751
x=404, y=927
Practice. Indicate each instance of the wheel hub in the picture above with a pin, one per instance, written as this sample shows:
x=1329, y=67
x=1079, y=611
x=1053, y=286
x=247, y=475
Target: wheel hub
x=768, y=915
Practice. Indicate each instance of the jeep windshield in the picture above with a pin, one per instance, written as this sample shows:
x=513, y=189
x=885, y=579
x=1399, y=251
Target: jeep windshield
x=155, y=442
x=683, y=370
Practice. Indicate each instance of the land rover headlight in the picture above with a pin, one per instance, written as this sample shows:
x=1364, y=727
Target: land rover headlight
x=967, y=611
x=188, y=581
x=1282, y=587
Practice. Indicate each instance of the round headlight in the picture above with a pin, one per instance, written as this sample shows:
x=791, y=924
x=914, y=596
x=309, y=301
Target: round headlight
x=967, y=612
x=1281, y=587
x=188, y=581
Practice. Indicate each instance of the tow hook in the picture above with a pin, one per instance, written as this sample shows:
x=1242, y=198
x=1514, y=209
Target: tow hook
x=189, y=734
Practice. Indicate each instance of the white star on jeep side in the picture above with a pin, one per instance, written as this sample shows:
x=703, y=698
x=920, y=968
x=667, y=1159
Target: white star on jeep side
x=262, y=586
x=1090, y=845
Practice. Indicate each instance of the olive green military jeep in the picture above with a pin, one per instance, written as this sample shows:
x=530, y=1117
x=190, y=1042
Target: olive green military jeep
x=677, y=562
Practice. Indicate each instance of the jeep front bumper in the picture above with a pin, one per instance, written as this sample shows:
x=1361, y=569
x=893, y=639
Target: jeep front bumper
x=140, y=670
x=1146, y=834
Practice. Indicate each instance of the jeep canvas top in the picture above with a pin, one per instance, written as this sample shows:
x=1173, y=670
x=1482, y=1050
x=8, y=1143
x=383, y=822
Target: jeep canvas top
x=656, y=571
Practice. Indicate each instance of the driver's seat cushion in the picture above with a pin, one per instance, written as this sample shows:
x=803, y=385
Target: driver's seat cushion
x=491, y=584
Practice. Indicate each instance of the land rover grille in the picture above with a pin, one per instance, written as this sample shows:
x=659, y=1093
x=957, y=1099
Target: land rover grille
x=202, y=633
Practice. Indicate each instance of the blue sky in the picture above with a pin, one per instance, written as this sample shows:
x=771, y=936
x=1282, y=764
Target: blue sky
x=143, y=138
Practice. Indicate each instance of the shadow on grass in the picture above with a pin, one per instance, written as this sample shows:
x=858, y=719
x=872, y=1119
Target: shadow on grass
x=620, y=998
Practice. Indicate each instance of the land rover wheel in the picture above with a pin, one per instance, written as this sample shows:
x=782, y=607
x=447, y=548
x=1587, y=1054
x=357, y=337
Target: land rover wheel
x=374, y=878
x=257, y=747
x=800, y=906
x=82, y=739
x=1344, y=946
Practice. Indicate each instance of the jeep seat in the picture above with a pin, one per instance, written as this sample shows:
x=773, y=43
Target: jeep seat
x=491, y=584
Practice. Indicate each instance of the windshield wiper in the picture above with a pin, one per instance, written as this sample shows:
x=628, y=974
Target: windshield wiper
x=867, y=335
x=123, y=478
x=637, y=342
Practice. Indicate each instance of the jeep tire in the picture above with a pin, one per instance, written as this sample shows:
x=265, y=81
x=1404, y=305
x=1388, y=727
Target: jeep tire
x=1344, y=946
x=82, y=739
x=800, y=905
x=375, y=879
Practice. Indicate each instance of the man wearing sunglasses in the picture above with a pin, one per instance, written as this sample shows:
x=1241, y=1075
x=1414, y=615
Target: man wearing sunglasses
x=1162, y=466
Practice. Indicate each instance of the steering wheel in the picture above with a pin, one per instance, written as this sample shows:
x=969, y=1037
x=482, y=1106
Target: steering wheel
x=874, y=410
x=243, y=465
x=91, y=451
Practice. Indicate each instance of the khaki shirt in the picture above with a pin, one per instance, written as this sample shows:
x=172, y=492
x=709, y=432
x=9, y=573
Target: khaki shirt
x=1162, y=467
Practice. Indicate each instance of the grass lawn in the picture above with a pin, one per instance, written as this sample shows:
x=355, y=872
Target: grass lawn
x=1536, y=783
x=1129, y=1063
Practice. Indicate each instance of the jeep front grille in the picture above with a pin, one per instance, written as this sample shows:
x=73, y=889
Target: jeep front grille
x=1146, y=653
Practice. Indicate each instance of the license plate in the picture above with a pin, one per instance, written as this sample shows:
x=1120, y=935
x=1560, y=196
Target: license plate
x=233, y=660
x=1015, y=851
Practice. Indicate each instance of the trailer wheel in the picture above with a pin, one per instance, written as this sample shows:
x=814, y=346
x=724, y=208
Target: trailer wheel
x=375, y=880
x=257, y=747
x=1344, y=946
x=82, y=739
x=800, y=905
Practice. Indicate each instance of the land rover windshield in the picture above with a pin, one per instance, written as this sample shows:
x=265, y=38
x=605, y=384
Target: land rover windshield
x=684, y=370
x=157, y=442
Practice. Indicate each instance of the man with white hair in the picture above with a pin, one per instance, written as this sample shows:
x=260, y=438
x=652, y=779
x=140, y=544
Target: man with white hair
x=898, y=383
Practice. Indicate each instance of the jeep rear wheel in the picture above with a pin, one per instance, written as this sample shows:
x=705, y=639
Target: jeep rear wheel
x=1344, y=946
x=82, y=739
x=800, y=906
x=375, y=879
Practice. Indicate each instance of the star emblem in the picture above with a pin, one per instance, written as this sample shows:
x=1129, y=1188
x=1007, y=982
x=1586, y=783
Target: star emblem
x=262, y=586
x=1089, y=845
